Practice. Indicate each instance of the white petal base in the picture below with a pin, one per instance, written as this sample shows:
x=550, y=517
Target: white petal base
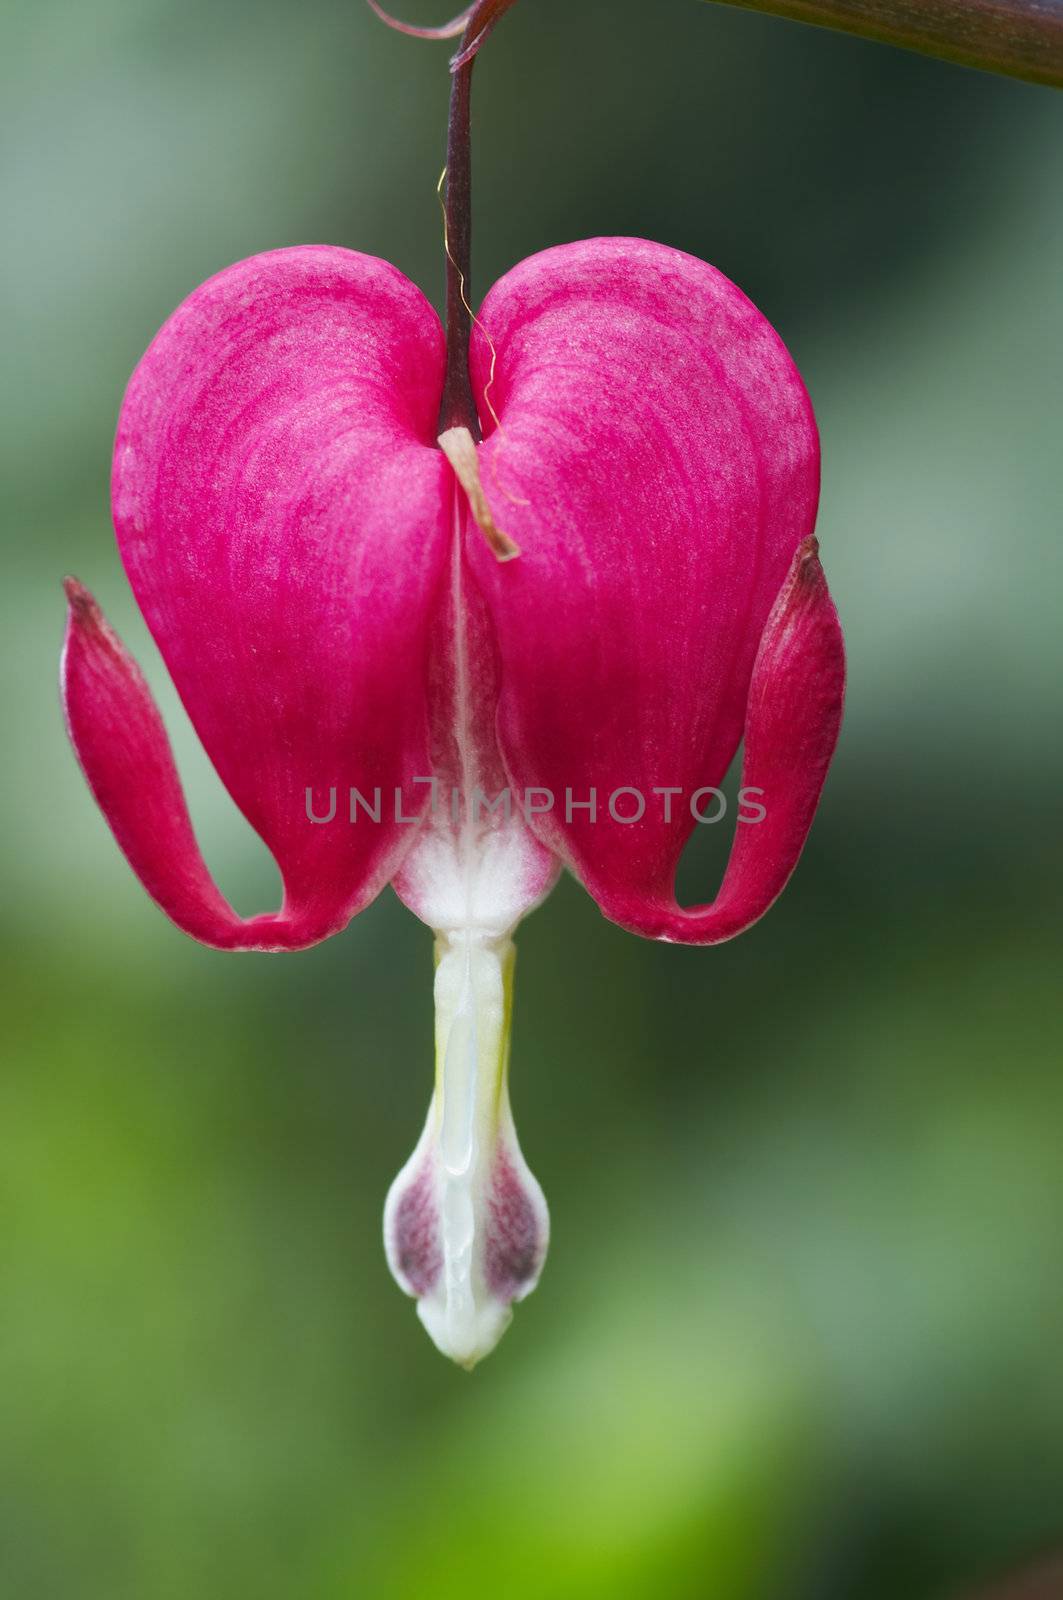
x=465, y=1225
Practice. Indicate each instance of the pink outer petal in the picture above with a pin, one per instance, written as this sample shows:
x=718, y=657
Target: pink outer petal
x=281, y=509
x=658, y=465
x=120, y=741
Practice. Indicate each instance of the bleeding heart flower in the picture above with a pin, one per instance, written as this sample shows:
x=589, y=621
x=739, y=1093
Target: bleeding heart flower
x=516, y=643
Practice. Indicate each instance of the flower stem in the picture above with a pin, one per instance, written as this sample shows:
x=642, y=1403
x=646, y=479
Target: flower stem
x=457, y=408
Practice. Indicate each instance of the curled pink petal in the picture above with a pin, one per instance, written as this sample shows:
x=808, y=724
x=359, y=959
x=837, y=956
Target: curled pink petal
x=657, y=463
x=793, y=718
x=282, y=512
x=120, y=741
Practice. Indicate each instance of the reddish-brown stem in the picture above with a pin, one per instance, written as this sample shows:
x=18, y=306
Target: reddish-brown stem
x=457, y=408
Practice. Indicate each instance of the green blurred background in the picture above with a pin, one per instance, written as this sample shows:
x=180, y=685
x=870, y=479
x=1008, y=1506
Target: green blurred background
x=799, y=1336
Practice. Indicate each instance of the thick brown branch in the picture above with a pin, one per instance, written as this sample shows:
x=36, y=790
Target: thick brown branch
x=1022, y=38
